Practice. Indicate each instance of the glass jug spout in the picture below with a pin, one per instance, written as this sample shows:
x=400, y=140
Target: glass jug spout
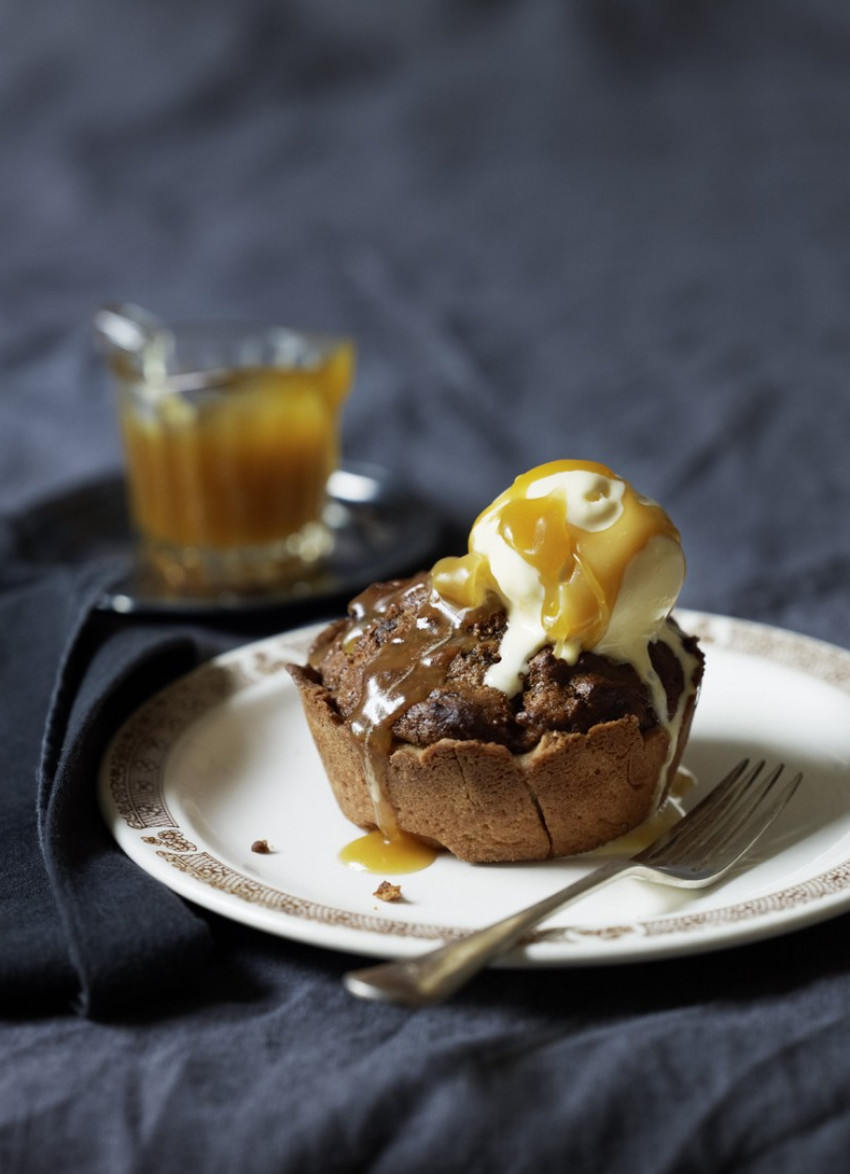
x=125, y=328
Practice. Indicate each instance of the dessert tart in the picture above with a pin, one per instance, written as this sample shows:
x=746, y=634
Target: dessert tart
x=527, y=700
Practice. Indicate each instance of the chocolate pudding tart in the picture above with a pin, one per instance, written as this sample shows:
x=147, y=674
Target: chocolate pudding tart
x=528, y=700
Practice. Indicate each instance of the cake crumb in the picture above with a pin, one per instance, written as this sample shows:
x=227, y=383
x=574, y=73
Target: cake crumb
x=261, y=847
x=386, y=891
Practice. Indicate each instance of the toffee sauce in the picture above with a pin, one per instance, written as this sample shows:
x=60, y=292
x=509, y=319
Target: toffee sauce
x=404, y=672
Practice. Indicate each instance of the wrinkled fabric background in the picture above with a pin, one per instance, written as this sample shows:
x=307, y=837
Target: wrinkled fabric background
x=608, y=228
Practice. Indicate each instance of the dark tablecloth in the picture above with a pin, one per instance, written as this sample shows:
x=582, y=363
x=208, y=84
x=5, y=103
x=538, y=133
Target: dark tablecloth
x=617, y=229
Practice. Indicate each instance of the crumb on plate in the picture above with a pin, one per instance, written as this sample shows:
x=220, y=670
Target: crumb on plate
x=386, y=891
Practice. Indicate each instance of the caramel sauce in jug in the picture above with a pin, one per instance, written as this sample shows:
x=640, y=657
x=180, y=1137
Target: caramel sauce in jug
x=244, y=465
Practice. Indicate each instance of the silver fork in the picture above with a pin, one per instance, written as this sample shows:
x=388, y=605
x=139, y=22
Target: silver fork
x=697, y=851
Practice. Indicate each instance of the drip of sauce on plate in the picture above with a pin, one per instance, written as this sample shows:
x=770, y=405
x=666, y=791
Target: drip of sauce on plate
x=394, y=854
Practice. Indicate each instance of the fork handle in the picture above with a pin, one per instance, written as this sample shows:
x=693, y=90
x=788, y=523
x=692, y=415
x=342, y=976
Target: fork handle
x=433, y=976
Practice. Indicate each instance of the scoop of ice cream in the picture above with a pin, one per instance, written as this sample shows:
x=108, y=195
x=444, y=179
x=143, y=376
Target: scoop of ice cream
x=578, y=559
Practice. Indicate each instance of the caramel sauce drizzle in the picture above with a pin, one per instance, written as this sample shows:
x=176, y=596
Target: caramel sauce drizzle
x=404, y=672
x=580, y=569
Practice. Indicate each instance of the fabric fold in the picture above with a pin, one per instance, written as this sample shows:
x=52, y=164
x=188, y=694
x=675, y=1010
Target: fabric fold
x=81, y=924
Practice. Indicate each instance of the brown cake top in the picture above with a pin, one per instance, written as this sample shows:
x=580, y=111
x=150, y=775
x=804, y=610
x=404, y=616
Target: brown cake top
x=555, y=694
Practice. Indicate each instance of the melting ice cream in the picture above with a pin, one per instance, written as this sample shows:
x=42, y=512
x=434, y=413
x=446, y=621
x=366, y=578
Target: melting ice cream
x=578, y=559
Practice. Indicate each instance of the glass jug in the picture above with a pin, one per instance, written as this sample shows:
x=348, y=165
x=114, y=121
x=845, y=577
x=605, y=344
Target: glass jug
x=230, y=433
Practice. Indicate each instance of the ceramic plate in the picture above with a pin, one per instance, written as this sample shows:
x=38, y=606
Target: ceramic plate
x=222, y=758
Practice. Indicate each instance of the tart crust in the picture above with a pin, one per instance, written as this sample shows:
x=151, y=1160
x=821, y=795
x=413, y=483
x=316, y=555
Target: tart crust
x=571, y=793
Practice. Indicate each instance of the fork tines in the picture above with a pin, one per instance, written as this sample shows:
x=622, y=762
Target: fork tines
x=731, y=805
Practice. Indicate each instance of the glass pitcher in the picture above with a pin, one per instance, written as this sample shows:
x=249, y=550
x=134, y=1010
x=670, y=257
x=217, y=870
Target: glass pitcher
x=230, y=434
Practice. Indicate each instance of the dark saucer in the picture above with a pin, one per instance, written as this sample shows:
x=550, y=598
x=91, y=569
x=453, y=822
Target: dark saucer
x=381, y=530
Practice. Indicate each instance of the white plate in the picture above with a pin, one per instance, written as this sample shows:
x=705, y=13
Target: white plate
x=222, y=758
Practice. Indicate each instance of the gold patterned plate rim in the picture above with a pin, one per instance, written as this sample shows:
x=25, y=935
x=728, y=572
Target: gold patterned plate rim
x=221, y=758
